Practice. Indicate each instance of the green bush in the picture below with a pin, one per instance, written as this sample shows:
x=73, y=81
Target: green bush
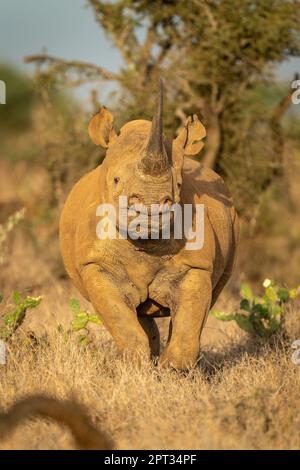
x=81, y=320
x=261, y=316
x=15, y=317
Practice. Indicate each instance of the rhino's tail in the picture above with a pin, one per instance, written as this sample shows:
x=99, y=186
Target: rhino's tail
x=68, y=413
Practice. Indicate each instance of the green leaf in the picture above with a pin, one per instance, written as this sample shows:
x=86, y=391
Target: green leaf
x=245, y=305
x=260, y=310
x=222, y=316
x=84, y=340
x=16, y=297
x=271, y=294
x=283, y=294
x=244, y=323
x=256, y=319
x=10, y=318
x=260, y=329
x=277, y=310
x=31, y=302
x=95, y=319
x=246, y=291
x=14, y=318
x=80, y=321
x=294, y=292
x=274, y=325
x=74, y=305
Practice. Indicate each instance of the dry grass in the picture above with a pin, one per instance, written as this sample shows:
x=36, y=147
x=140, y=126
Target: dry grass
x=242, y=395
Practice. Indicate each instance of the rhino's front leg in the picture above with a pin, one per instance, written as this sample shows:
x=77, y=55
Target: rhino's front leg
x=191, y=306
x=117, y=312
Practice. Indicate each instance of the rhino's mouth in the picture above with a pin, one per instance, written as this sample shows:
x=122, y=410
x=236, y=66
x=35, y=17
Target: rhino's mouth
x=152, y=210
x=142, y=223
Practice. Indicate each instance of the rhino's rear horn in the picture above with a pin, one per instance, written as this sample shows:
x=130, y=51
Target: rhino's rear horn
x=154, y=159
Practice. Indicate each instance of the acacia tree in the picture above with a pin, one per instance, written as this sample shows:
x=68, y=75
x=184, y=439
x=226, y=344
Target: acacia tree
x=212, y=54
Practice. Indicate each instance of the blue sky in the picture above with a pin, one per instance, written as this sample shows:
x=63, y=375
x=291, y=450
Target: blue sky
x=66, y=28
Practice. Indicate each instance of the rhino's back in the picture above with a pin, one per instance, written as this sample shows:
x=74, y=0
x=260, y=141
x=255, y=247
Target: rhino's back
x=206, y=182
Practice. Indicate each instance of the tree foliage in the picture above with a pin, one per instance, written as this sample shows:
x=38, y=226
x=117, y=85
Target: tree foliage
x=212, y=54
x=15, y=114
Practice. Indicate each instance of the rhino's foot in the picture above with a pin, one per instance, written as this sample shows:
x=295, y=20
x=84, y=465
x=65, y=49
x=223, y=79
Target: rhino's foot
x=177, y=359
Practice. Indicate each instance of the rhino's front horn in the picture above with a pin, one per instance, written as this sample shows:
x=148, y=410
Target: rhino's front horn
x=154, y=159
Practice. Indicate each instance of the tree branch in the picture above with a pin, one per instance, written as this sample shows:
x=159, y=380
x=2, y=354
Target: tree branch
x=145, y=49
x=276, y=128
x=92, y=71
x=122, y=38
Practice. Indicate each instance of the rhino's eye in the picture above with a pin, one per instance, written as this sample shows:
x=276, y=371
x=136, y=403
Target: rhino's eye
x=116, y=179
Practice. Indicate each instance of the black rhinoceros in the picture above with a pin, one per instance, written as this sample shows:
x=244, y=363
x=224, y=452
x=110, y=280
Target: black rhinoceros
x=130, y=281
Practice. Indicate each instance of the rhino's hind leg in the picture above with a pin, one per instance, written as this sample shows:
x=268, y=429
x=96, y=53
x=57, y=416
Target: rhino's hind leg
x=151, y=329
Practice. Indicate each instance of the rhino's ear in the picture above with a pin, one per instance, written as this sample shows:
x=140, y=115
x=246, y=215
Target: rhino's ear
x=190, y=136
x=101, y=129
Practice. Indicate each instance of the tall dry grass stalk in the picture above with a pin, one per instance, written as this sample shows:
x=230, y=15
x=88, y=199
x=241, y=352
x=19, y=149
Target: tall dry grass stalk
x=6, y=228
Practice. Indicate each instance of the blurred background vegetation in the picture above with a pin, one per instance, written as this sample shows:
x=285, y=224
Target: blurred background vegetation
x=219, y=60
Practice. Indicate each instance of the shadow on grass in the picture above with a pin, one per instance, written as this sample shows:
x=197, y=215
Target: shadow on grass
x=212, y=362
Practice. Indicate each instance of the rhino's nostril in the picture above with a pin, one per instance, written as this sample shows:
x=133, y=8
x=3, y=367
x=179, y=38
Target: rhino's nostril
x=165, y=204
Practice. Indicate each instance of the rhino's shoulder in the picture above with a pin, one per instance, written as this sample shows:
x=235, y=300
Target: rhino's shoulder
x=194, y=169
x=87, y=181
x=83, y=193
x=204, y=181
